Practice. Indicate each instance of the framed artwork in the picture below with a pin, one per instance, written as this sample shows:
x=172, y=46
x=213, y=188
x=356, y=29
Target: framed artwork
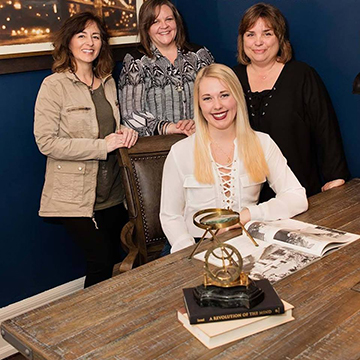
x=27, y=26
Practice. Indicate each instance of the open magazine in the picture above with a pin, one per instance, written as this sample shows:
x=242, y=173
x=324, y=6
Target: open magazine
x=285, y=246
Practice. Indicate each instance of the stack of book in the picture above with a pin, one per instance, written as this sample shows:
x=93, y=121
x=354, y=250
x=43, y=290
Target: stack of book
x=212, y=327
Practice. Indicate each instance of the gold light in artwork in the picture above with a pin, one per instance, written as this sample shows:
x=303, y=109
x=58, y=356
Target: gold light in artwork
x=17, y=6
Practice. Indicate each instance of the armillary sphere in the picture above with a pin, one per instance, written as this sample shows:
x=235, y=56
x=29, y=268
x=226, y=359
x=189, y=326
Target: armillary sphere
x=231, y=268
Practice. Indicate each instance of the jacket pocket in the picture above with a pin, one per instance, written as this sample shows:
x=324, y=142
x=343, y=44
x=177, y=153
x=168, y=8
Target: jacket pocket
x=198, y=194
x=78, y=119
x=69, y=181
x=250, y=189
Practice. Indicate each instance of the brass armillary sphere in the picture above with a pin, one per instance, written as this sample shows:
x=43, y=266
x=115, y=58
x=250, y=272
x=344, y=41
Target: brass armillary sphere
x=214, y=219
x=226, y=285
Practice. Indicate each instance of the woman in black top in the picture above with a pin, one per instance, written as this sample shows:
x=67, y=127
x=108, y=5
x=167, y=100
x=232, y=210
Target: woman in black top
x=287, y=100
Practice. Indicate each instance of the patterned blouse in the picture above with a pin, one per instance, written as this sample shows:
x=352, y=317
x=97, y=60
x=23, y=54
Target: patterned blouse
x=153, y=92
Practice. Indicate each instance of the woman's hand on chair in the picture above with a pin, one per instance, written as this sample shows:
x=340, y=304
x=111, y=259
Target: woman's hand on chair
x=186, y=127
x=122, y=138
x=130, y=136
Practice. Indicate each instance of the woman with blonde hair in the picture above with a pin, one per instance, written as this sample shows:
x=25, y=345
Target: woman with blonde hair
x=224, y=164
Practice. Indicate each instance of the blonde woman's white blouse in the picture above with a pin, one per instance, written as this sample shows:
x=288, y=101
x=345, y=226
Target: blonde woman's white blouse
x=182, y=195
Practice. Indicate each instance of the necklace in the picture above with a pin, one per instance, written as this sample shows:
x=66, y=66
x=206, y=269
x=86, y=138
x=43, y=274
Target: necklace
x=228, y=157
x=179, y=87
x=91, y=86
x=179, y=84
x=264, y=77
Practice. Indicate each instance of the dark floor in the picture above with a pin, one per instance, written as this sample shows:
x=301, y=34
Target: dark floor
x=17, y=356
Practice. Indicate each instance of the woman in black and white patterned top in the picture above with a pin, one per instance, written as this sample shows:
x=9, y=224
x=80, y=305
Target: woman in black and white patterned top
x=157, y=80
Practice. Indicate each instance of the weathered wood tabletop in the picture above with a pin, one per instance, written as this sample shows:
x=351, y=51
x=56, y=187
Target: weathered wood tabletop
x=133, y=315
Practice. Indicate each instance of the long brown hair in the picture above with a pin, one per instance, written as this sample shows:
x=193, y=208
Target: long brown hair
x=64, y=59
x=149, y=11
x=249, y=147
x=275, y=19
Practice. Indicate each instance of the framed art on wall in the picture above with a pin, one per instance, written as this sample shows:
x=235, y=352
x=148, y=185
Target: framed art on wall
x=27, y=26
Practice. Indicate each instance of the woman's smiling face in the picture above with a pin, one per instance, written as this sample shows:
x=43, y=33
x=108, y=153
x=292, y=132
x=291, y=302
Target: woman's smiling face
x=86, y=45
x=261, y=45
x=163, y=31
x=217, y=104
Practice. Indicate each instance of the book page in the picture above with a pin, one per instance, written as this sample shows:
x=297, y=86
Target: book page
x=312, y=239
x=268, y=260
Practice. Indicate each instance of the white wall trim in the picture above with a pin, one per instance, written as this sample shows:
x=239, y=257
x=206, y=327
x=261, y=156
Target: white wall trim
x=32, y=303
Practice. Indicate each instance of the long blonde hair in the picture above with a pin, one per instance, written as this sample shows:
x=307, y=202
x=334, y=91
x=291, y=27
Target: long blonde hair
x=249, y=147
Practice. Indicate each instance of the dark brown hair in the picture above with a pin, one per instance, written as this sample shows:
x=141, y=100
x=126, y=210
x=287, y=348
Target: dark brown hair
x=149, y=11
x=275, y=19
x=64, y=59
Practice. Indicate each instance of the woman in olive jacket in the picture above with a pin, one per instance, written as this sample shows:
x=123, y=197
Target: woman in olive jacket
x=77, y=126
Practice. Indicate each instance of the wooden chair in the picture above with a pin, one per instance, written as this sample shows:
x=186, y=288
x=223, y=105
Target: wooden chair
x=141, y=169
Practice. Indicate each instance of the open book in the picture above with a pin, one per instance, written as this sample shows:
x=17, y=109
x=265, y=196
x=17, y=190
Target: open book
x=285, y=246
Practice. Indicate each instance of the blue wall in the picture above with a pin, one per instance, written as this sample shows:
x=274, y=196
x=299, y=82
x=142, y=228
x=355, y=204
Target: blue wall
x=36, y=255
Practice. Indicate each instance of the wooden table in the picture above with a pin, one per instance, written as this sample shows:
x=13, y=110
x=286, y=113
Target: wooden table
x=133, y=316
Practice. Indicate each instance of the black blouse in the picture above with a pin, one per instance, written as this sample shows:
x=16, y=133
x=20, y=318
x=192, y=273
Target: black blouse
x=298, y=115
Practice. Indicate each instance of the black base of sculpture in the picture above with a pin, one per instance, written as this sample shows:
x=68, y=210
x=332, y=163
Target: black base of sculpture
x=231, y=297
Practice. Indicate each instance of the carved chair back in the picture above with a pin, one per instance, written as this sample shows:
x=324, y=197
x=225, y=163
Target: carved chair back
x=141, y=169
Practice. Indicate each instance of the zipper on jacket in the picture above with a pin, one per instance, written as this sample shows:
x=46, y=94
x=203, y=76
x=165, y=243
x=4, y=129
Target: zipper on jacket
x=94, y=221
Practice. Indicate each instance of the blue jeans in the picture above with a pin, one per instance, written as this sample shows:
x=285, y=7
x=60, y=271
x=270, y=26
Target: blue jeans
x=167, y=247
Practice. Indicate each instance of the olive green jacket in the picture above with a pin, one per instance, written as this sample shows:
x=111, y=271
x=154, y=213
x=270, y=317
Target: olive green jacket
x=66, y=131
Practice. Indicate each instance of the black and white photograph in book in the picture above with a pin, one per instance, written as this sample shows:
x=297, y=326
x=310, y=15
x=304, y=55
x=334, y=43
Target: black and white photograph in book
x=284, y=246
x=275, y=263
x=293, y=237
